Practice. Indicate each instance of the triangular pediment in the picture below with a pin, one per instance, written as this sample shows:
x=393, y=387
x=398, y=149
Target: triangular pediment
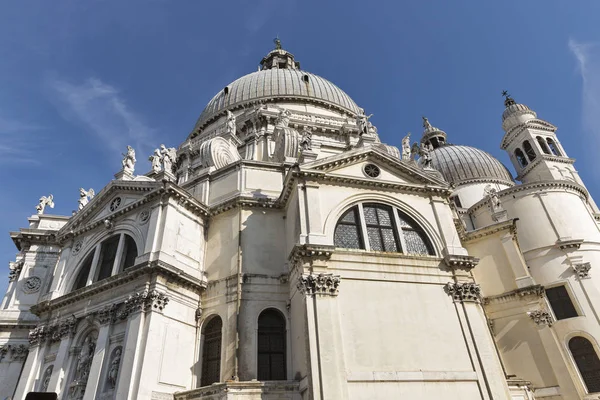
x=115, y=198
x=354, y=165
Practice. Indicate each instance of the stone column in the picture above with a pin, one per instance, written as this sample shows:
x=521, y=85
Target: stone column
x=325, y=338
x=479, y=341
x=126, y=387
x=59, y=373
x=516, y=261
x=97, y=361
x=30, y=369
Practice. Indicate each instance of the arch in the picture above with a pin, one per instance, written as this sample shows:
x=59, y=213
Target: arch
x=587, y=362
x=543, y=145
x=84, y=271
x=521, y=158
x=211, y=351
x=529, y=150
x=347, y=231
x=553, y=147
x=271, y=348
x=218, y=153
x=428, y=229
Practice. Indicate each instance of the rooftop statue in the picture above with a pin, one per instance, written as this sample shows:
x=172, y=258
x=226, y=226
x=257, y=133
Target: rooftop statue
x=406, y=150
x=425, y=153
x=85, y=197
x=306, y=140
x=230, y=124
x=283, y=119
x=492, y=197
x=155, y=160
x=168, y=157
x=129, y=160
x=426, y=124
x=362, y=122
x=44, y=201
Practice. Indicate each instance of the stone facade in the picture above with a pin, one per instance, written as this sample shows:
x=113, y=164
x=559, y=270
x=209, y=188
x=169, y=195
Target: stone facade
x=284, y=252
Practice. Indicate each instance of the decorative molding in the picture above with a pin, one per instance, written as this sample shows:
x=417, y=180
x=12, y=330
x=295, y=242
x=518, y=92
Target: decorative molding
x=108, y=314
x=582, y=270
x=307, y=253
x=510, y=225
x=16, y=352
x=55, y=332
x=466, y=263
x=321, y=284
x=541, y=317
x=533, y=291
x=463, y=291
x=15, y=269
x=144, y=301
x=569, y=244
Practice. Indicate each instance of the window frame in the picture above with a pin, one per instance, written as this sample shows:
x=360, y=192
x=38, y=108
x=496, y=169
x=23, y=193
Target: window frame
x=521, y=158
x=594, y=348
x=284, y=353
x=543, y=145
x=570, y=296
x=553, y=146
x=529, y=150
x=204, y=358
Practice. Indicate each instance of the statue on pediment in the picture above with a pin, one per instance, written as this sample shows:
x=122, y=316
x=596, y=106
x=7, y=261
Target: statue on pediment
x=425, y=153
x=168, y=157
x=406, y=150
x=306, y=140
x=155, y=160
x=44, y=201
x=230, y=124
x=85, y=196
x=362, y=122
x=494, y=202
x=129, y=160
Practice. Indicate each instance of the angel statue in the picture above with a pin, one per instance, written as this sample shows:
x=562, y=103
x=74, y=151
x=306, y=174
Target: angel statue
x=362, y=121
x=129, y=160
x=168, y=157
x=283, y=119
x=85, y=197
x=155, y=160
x=230, y=124
x=425, y=153
x=492, y=197
x=306, y=140
x=406, y=147
x=44, y=201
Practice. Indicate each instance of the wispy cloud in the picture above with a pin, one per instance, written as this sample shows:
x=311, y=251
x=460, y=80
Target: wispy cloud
x=258, y=13
x=16, y=142
x=101, y=110
x=588, y=62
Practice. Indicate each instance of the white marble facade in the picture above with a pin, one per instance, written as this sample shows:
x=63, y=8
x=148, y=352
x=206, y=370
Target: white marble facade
x=284, y=252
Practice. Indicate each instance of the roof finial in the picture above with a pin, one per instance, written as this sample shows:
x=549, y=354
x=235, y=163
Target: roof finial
x=277, y=43
x=508, y=101
x=426, y=123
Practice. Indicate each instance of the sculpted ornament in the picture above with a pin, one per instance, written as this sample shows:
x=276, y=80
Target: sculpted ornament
x=306, y=140
x=168, y=158
x=85, y=197
x=32, y=284
x=425, y=153
x=46, y=379
x=155, y=160
x=82, y=370
x=44, y=201
x=362, y=122
x=230, y=124
x=541, y=317
x=129, y=160
x=406, y=150
x=16, y=352
x=321, y=284
x=144, y=301
x=582, y=270
x=283, y=119
x=14, y=270
x=463, y=291
x=113, y=372
x=491, y=195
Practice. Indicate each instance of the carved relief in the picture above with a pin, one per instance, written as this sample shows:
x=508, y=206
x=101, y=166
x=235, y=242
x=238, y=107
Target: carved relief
x=144, y=216
x=321, y=284
x=32, y=284
x=46, y=379
x=144, y=301
x=107, y=314
x=15, y=270
x=82, y=368
x=541, y=317
x=14, y=352
x=77, y=247
x=582, y=270
x=113, y=371
x=464, y=291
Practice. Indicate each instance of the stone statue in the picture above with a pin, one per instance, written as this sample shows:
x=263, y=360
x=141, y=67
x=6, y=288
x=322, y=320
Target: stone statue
x=425, y=153
x=406, y=150
x=46, y=378
x=168, y=157
x=230, y=124
x=44, y=201
x=283, y=119
x=426, y=123
x=155, y=160
x=129, y=160
x=414, y=151
x=492, y=197
x=113, y=372
x=85, y=197
x=362, y=122
x=84, y=359
x=306, y=140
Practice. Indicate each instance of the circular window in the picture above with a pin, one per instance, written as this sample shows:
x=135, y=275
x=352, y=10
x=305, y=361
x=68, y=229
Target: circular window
x=116, y=203
x=371, y=170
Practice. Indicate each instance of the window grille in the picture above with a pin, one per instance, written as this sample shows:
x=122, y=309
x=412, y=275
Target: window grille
x=587, y=362
x=211, y=352
x=271, y=346
x=561, y=303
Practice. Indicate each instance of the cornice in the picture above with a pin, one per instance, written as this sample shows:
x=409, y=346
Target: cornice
x=159, y=268
x=533, y=291
x=556, y=184
x=510, y=225
x=29, y=236
x=484, y=180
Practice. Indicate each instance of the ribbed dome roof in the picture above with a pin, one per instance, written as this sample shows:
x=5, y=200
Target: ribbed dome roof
x=463, y=163
x=276, y=83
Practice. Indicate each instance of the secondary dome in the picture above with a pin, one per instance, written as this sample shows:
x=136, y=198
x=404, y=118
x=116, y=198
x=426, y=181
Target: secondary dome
x=459, y=164
x=279, y=79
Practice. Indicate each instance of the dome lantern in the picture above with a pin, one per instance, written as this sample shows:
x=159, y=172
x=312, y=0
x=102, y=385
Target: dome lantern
x=279, y=58
x=432, y=135
x=515, y=113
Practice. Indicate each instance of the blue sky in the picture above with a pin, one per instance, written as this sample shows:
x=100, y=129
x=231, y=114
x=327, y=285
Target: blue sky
x=82, y=79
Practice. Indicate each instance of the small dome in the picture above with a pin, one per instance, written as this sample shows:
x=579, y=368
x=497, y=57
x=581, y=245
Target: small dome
x=281, y=84
x=516, y=109
x=459, y=164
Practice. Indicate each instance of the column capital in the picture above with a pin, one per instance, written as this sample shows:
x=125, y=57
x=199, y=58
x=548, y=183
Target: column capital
x=144, y=301
x=463, y=291
x=321, y=284
x=582, y=270
x=541, y=317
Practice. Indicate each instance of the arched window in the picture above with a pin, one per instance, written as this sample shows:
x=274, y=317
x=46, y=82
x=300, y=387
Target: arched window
x=271, y=346
x=521, y=158
x=115, y=254
x=587, y=362
x=543, y=145
x=385, y=229
x=553, y=147
x=529, y=150
x=211, y=352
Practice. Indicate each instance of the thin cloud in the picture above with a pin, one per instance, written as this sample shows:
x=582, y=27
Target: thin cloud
x=260, y=12
x=101, y=110
x=588, y=62
x=16, y=142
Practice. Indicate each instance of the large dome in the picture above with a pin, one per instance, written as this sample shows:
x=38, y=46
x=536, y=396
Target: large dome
x=275, y=83
x=462, y=164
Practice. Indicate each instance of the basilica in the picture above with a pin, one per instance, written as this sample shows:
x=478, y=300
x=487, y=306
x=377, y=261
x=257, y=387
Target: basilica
x=282, y=251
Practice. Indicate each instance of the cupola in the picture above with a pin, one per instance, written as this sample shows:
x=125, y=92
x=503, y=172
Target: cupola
x=279, y=58
x=432, y=135
x=515, y=113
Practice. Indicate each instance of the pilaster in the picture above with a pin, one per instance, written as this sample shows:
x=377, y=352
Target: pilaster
x=97, y=361
x=30, y=370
